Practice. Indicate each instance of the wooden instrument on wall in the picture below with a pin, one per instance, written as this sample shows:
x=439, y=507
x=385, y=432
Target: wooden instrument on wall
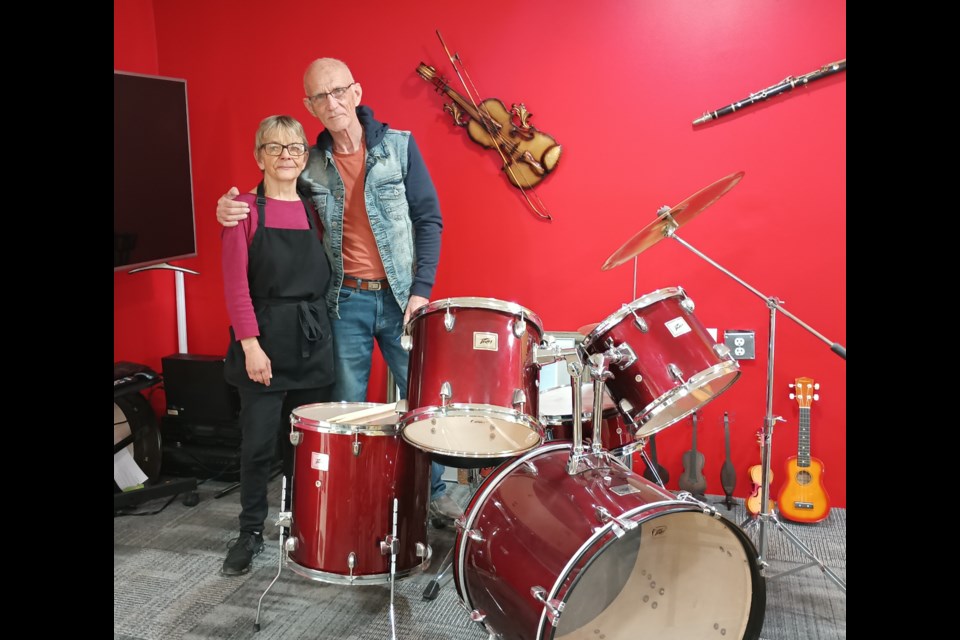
x=692, y=479
x=756, y=477
x=728, y=475
x=802, y=497
x=528, y=154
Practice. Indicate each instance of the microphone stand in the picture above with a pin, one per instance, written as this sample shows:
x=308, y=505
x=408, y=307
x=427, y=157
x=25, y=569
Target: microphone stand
x=767, y=513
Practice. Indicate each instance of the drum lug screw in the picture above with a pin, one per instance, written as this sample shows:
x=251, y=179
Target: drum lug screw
x=722, y=351
x=475, y=535
x=478, y=616
x=421, y=550
x=356, y=448
x=446, y=392
x=519, y=398
x=406, y=342
x=554, y=606
x=295, y=437
x=449, y=320
x=640, y=322
x=519, y=327
x=604, y=515
x=676, y=372
x=687, y=304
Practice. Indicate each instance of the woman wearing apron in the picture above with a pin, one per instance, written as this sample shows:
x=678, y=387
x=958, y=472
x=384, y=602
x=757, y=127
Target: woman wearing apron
x=275, y=275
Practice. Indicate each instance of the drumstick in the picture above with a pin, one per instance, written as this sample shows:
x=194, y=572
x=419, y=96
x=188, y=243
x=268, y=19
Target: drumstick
x=365, y=416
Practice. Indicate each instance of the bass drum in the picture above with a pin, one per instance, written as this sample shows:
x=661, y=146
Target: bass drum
x=601, y=554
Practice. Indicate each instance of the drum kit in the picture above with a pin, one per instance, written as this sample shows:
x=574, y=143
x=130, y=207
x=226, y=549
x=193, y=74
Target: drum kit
x=562, y=540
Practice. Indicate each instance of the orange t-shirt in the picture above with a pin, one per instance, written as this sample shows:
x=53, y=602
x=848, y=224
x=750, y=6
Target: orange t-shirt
x=361, y=258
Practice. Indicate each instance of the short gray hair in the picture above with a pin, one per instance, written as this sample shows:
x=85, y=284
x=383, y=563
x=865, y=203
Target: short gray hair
x=274, y=123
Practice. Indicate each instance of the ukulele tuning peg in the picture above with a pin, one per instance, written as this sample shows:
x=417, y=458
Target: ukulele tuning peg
x=816, y=396
x=792, y=396
x=816, y=385
x=791, y=385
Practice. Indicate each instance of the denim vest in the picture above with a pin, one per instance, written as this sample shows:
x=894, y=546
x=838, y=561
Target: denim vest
x=387, y=208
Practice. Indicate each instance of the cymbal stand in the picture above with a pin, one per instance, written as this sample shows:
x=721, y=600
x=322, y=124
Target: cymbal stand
x=767, y=513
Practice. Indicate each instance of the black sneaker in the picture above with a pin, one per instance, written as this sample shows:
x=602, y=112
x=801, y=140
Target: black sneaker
x=242, y=550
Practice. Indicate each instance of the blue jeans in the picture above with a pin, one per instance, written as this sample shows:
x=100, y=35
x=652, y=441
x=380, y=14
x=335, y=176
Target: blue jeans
x=365, y=316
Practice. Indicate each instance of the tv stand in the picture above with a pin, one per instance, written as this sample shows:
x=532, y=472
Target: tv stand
x=181, y=299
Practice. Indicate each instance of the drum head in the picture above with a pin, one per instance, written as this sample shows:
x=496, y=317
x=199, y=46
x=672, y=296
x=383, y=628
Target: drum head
x=334, y=417
x=682, y=401
x=471, y=431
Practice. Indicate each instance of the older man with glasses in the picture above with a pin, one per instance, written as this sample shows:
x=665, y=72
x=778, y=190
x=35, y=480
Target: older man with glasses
x=382, y=226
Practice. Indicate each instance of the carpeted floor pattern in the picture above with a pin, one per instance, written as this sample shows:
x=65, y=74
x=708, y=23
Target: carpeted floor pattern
x=167, y=582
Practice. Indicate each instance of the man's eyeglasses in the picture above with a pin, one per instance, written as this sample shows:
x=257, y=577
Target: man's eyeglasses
x=295, y=149
x=336, y=93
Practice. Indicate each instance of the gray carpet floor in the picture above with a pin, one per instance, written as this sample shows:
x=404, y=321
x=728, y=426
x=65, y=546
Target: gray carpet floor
x=167, y=582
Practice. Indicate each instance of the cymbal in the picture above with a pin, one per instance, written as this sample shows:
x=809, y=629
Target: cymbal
x=673, y=219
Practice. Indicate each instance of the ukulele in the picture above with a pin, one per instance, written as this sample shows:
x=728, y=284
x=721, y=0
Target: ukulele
x=756, y=477
x=692, y=479
x=803, y=498
x=661, y=470
x=728, y=475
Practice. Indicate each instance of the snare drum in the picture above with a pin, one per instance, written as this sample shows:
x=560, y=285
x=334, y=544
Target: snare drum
x=671, y=366
x=556, y=415
x=472, y=380
x=345, y=479
x=545, y=555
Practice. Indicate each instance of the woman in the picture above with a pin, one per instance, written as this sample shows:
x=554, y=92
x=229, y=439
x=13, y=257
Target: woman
x=275, y=275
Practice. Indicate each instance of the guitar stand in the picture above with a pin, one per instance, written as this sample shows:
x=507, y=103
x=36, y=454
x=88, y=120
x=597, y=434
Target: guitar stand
x=767, y=513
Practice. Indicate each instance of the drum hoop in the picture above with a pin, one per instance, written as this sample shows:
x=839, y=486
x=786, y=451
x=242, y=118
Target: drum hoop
x=478, y=303
x=322, y=426
x=676, y=506
x=465, y=410
x=480, y=496
x=616, y=317
x=712, y=373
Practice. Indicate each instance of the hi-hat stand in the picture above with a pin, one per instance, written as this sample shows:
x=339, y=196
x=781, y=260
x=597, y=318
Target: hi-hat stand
x=767, y=514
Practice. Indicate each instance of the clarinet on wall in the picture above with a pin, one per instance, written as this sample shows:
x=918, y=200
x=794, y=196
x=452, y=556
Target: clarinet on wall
x=786, y=85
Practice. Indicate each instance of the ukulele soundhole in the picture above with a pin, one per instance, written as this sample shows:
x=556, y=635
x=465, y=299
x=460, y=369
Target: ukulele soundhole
x=804, y=477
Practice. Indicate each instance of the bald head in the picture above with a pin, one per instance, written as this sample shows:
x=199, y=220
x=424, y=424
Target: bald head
x=322, y=69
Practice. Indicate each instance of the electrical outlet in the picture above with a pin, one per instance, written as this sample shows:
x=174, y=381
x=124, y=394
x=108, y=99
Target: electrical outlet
x=741, y=343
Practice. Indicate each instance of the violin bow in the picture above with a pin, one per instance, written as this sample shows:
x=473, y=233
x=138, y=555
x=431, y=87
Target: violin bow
x=495, y=135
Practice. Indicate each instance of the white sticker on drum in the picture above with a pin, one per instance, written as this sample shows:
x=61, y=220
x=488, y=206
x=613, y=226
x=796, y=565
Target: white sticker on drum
x=320, y=461
x=485, y=341
x=677, y=326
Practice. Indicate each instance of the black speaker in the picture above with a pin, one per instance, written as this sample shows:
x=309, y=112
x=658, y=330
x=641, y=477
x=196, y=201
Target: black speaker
x=196, y=391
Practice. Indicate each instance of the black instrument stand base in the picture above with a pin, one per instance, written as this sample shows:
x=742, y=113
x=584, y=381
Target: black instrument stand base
x=160, y=489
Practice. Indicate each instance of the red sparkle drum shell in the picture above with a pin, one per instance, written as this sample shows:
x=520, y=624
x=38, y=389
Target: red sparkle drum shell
x=556, y=415
x=534, y=533
x=477, y=355
x=675, y=366
x=345, y=479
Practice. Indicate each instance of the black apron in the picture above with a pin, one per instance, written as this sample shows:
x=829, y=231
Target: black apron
x=288, y=274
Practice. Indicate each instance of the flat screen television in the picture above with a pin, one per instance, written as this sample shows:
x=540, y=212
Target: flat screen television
x=153, y=217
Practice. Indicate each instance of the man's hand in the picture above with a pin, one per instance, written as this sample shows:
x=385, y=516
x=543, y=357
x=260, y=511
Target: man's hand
x=414, y=303
x=229, y=211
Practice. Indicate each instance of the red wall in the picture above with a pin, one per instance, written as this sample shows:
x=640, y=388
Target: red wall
x=618, y=85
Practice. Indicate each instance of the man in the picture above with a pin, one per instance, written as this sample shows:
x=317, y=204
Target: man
x=382, y=226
